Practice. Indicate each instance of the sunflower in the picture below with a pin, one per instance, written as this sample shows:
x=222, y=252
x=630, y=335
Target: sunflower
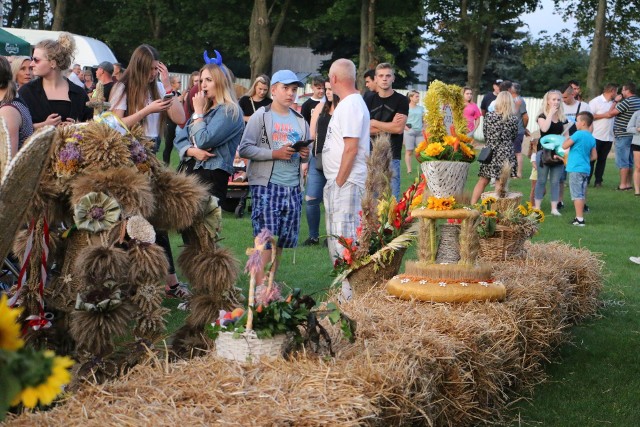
x=523, y=210
x=51, y=387
x=467, y=150
x=438, y=204
x=9, y=326
x=488, y=201
x=421, y=146
x=539, y=214
x=490, y=214
x=434, y=149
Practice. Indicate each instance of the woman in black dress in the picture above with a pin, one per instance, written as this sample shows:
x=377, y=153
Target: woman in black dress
x=258, y=96
x=500, y=130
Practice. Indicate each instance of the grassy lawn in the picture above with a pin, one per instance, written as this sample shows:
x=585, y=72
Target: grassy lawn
x=594, y=380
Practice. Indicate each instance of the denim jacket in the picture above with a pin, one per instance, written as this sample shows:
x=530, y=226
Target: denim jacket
x=256, y=145
x=218, y=132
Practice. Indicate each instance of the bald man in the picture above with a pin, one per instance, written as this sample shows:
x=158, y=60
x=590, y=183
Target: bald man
x=344, y=158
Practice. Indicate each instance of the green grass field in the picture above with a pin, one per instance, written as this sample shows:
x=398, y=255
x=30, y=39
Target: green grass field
x=595, y=379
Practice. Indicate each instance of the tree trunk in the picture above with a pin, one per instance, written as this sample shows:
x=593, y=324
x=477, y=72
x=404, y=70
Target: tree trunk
x=59, y=12
x=477, y=56
x=599, y=52
x=262, y=39
x=367, y=59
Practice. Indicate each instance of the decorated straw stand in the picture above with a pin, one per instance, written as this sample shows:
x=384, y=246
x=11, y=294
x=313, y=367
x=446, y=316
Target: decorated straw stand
x=446, y=155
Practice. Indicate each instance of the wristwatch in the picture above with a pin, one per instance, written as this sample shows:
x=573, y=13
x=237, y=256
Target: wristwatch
x=196, y=116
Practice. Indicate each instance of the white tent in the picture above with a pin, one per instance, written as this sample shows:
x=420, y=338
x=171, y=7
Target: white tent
x=90, y=52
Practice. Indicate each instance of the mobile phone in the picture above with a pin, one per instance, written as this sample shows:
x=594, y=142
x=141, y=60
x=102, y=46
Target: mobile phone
x=168, y=96
x=301, y=144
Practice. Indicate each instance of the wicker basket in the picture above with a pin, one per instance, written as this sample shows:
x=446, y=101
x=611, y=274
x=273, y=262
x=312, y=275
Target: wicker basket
x=506, y=244
x=368, y=276
x=248, y=347
x=449, y=245
x=510, y=201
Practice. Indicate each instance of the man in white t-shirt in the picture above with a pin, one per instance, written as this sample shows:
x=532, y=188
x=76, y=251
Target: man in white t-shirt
x=344, y=157
x=602, y=108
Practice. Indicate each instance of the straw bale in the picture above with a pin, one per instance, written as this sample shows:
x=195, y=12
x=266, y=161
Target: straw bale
x=412, y=362
x=179, y=198
x=130, y=188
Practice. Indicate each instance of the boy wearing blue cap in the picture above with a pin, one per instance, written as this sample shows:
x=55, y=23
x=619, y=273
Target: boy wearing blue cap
x=274, y=165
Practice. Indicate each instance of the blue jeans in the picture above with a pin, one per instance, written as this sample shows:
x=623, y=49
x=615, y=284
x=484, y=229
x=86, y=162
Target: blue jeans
x=315, y=186
x=624, y=157
x=395, y=178
x=551, y=173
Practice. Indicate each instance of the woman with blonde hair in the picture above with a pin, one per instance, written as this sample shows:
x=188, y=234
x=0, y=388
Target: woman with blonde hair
x=551, y=121
x=15, y=114
x=53, y=99
x=500, y=129
x=258, y=96
x=413, y=127
x=21, y=70
x=210, y=138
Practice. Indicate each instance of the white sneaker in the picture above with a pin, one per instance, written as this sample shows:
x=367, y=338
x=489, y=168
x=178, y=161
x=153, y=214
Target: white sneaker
x=635, y=259
x=556, y=213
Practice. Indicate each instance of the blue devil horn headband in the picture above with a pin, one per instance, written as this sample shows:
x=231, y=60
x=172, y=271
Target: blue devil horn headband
x=217, y=60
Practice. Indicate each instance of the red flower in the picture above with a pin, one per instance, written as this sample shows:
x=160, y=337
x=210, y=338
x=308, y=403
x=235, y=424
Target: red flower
x=359, y=230
x=346, y=254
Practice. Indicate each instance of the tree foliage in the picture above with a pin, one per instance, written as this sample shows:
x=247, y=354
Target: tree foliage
x=398, y=36
x=473, y=24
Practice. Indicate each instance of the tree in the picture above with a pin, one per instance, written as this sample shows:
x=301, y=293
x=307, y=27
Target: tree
x=59, y=8
x=472, y=23
x=367, y=58
x=263, y=36
x=397, y=38
x=613, y=33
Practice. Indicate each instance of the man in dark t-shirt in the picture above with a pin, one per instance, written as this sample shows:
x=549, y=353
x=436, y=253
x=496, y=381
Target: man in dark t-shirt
x=388, y=111
x=317, y=85
x=490, y=97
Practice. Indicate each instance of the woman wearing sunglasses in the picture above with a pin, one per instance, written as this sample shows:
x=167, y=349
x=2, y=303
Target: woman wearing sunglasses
x=52, y=99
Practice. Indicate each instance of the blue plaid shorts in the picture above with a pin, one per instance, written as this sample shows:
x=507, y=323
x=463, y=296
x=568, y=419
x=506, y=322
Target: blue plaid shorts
x=277, y=208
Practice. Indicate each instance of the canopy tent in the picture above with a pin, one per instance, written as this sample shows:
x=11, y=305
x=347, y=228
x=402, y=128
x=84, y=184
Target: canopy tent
x=11, y=45
x=89, y=51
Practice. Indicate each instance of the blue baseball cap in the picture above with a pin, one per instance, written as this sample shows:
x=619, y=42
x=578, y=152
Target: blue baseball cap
x=286, y=77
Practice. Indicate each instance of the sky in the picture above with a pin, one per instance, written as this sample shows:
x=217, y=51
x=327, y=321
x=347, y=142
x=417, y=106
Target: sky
x=545, y=19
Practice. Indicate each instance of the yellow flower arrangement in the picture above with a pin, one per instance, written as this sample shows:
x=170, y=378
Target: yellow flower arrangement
x=440, y=143
x=523, y=217
x=29, y=377
x=9, y=327
x=47, y=391
x=441, y=204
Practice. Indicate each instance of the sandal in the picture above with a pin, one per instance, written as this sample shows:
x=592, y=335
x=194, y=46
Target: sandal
x=179, y=290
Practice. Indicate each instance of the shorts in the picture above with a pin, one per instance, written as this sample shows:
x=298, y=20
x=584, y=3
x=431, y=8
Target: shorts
x=578, y=185
x=624, y=159
x=277, y=208
x=411, y=138
x=517, y=143
x=635, y=148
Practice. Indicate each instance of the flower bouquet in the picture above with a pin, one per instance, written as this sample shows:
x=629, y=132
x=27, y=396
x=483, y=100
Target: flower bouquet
x=271, y=320
x=447, y=151
x=503, y=233
x=29, y=377
x=381, y=239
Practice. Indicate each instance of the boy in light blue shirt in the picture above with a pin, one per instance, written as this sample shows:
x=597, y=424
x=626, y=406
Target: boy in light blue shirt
x=583, y=151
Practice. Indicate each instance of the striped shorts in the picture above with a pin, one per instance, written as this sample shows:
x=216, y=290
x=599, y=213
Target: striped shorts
x=342, y=205
x=277, y=208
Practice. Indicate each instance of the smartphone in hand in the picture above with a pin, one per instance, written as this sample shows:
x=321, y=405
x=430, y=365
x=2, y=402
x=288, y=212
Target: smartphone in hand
x=168, y=96
x=301, y=144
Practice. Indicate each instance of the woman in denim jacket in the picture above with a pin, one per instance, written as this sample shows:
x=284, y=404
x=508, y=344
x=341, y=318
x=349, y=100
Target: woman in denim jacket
x=209, y=141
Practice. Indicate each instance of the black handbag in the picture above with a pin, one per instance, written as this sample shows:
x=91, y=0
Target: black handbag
x=485, y=155
x=548, y=158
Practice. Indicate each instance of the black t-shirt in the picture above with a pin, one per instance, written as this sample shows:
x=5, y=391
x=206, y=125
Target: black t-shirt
x=384, y=109
x=555, y=128
x=307, y=107
x=486, y=101
x=107, y=90
x=248, y=108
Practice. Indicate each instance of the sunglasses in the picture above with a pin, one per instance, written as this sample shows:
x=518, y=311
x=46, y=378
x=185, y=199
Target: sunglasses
x=37, y=60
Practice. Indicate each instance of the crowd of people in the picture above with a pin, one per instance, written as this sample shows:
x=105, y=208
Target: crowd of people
x=316, y=152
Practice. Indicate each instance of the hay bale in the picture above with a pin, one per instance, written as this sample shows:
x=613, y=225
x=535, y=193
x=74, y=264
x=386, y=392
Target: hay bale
x=412, y=362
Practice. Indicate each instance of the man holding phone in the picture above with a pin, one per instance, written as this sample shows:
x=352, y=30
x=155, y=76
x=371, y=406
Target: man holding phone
x=274, y=164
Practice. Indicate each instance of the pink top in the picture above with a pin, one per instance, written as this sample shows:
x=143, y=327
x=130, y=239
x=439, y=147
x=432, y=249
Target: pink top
x=471, y=113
